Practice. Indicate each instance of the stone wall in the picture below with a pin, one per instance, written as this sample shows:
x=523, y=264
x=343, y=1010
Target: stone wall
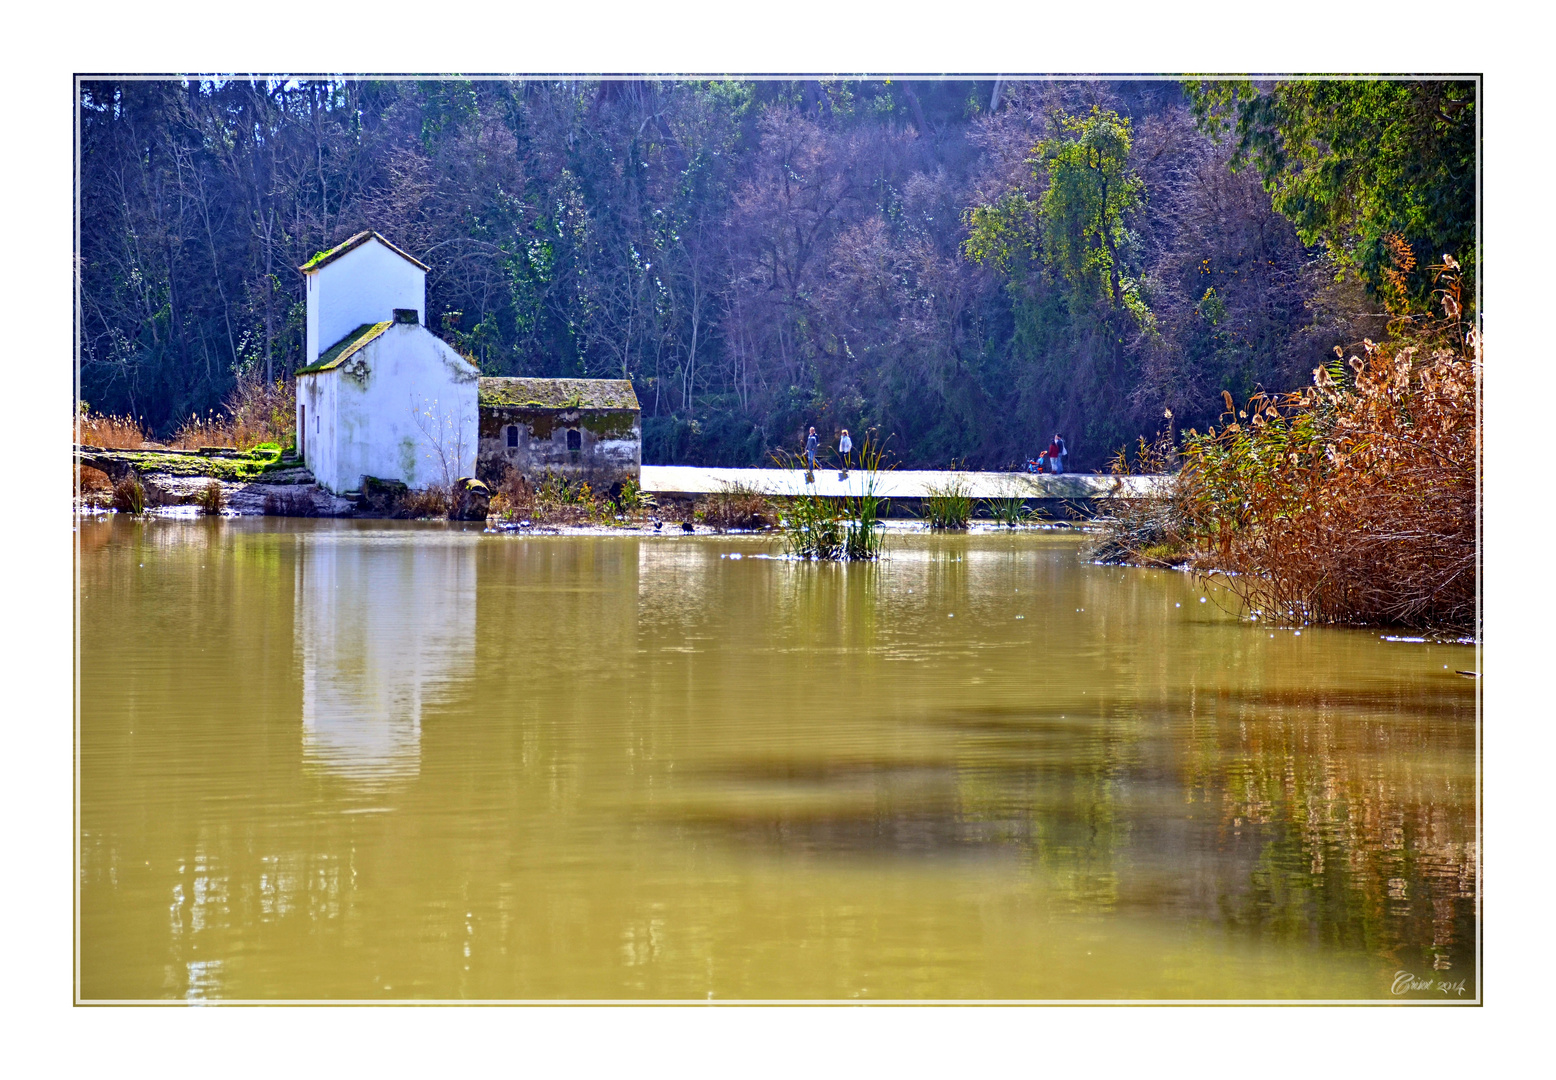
x=602, y=446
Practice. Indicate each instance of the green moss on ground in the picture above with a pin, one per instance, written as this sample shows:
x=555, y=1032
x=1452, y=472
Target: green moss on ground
x=253, y=465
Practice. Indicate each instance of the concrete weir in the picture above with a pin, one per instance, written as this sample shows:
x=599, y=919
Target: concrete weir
x=1075, y=494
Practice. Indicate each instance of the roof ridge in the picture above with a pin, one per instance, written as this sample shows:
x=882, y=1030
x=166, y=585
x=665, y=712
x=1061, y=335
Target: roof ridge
x=350, y=244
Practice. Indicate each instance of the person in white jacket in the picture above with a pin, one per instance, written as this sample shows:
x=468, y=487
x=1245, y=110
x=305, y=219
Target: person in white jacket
x=845, y=446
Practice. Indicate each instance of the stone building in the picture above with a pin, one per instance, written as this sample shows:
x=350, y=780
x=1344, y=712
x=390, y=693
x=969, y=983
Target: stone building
x=379, y=394
x=578, y=429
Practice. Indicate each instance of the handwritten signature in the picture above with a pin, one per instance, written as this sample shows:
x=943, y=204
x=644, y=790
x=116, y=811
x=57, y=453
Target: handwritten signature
x=1404, y=982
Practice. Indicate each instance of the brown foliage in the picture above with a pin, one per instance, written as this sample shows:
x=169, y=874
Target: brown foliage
x=256, y=412
x=430, y=502
x=109, y=432
x=736, y=507
x=1354, y=500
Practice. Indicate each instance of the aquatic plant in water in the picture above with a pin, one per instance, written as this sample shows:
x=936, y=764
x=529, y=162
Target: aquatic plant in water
x=949, y=505
x=843, y=528
x=1011, y=511
x=129, y=496
x=211, y=499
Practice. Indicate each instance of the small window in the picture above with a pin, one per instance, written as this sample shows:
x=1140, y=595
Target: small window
x=513, y=435
x=574, y=440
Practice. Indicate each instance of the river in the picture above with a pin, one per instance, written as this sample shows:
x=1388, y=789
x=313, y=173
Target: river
x=369, y=760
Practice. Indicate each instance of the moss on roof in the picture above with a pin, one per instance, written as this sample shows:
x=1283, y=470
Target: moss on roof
x=559, y=393
x=352, y=244
x=342, y=350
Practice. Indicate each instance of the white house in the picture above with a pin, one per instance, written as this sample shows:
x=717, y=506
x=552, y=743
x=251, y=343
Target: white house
x=379, y=394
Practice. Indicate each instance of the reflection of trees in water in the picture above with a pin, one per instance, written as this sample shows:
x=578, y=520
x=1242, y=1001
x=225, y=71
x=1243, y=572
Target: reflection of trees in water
x=1309, y=817
x=1326, y=820
x=1366, y=842
x=382, y=626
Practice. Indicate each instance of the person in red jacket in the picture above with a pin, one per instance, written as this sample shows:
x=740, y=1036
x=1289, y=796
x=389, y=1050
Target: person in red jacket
x=1051, y=455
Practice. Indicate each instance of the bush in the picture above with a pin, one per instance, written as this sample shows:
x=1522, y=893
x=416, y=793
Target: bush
x=428, y=502
x=1352, y=501
x=254, y=415
x=556, y=501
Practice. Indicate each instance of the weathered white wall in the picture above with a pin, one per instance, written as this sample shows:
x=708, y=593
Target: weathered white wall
x=379, y=425
x=316, y=419
x=364, y=285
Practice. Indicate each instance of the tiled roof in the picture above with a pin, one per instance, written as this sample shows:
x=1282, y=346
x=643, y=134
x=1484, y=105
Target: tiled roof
x=342, y=350
x=559, y=393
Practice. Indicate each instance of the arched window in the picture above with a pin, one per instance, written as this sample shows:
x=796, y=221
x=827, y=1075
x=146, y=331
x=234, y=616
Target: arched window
x=574, y=441
x=513, y=435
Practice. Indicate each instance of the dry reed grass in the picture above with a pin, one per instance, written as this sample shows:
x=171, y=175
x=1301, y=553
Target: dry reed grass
x=109, y=432
x=255, y=413
x=736, y=506
x=1351, y=501
x=428, y=502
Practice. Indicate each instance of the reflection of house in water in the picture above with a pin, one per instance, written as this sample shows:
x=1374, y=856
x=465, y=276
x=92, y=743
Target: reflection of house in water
x=385, y=624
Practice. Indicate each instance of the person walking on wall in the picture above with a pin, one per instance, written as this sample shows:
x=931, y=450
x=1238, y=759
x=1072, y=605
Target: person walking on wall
x=811, y=443
x=845, y=447
x=1064, y=454
x=1052, y=454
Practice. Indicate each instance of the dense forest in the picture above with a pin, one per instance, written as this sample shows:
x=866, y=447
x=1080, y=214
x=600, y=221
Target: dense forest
x=963, y=266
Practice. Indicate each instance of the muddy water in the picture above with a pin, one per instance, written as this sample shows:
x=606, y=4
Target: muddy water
x=375, y=760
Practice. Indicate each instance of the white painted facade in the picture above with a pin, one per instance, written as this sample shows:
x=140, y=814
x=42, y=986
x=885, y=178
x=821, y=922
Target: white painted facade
x=362, y=286
x=400, y=407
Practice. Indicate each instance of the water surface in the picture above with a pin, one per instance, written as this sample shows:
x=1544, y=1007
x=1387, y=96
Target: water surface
x=379, y=760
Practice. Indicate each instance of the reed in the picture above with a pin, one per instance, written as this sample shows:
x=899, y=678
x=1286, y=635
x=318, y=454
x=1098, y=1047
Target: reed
x=949, y=505
x=255, y=413
x=1351, y=501
x=109, y=432
x=844, y=528
x=1011, y=511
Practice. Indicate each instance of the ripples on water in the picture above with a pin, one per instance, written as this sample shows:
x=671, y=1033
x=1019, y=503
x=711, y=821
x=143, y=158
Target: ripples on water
x=376, y=760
